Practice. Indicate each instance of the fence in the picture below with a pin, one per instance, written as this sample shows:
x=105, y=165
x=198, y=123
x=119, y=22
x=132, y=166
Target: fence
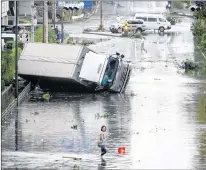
x=6, y=96
x=13, y=105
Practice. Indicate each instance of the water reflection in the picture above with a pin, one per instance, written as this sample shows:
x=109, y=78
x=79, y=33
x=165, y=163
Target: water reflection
x=102, y=165
x=16, y=130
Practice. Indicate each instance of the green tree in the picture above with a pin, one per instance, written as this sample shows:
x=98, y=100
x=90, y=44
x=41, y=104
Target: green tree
x=38, y=35
x=8, y=66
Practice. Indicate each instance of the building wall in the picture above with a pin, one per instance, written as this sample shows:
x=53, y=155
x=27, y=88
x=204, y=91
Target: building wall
x=4, y=10
x=25, y=8
x=88, y=4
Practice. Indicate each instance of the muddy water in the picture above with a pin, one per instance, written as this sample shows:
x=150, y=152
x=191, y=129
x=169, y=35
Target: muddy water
x=161, y=119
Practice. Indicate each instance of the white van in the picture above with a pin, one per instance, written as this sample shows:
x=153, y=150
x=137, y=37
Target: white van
x=154, y=22
x=8, y=37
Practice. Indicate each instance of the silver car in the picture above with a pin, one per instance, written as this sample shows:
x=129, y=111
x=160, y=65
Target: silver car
x=136, y=25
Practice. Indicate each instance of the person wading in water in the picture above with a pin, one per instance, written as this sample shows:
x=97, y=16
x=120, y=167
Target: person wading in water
x=101, y=143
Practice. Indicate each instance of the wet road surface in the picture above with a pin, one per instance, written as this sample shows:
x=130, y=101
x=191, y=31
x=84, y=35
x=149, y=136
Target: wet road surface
x=161, y=118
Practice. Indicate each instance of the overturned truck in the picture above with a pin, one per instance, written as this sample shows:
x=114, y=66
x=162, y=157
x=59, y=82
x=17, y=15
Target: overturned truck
x=62, y=67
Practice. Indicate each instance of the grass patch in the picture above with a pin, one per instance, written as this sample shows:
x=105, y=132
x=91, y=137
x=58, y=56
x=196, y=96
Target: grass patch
x=24, y=21
x=38, y=35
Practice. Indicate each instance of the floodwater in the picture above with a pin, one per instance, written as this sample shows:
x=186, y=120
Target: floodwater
x=161, y=118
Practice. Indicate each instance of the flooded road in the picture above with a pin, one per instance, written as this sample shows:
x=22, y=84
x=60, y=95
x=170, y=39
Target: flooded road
x=161, y=118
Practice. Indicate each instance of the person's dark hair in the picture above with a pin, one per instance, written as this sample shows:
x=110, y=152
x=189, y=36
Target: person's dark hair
x=103, y=127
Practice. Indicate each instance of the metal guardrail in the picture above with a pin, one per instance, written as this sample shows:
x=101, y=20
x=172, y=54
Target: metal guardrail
x=13, y=105
x=7, y=90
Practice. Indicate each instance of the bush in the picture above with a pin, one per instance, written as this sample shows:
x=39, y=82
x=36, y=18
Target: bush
x=10, y=22
x=38, y=35
x=24, y=21
x=8, y=66
x=203, y=40
x=86, y=43
x=199, y=27
x=70, y=41
x=11, y=44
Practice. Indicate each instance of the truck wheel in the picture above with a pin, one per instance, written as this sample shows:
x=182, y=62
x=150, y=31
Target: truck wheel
x=138, y=30
x=161, y=29
x=113, y=30
x=58, y=16
x=119, y=30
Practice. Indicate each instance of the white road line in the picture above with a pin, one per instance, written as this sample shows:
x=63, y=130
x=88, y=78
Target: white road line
x=201, y=52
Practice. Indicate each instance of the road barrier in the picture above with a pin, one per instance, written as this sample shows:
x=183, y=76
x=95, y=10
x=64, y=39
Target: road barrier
x=6, y=97
x=13, y=105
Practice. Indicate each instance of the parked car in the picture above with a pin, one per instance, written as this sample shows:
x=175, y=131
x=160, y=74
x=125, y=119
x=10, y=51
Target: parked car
x=154, y=22
x=133, y=24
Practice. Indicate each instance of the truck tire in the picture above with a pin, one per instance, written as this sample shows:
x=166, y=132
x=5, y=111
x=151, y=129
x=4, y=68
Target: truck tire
x=113, y=30
x=14, y=29
x=161, y=29
x=138, y=30
x=119, y=30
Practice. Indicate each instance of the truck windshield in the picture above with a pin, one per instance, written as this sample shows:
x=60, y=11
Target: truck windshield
x=110, y=72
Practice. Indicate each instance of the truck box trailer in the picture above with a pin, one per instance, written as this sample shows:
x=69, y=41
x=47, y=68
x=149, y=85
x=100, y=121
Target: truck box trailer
x=63, y=67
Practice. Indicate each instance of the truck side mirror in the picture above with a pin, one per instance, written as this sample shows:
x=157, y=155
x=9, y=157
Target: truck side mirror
x=117, y=53
x=122, y=56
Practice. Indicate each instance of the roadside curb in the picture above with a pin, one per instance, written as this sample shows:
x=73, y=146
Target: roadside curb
x=103, y=34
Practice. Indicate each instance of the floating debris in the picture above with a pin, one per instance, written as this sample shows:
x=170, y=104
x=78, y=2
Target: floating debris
x=76, y=167
x=35, y=113
x=46, y=96
x=74, y=127
x=97, y=116
x=132, y=93
x=189, y=65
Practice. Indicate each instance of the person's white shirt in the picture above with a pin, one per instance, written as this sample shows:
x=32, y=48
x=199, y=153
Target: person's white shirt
x=118, y=18
x=2, y=44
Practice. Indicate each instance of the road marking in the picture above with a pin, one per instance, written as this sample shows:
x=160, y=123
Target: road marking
x=201, y=52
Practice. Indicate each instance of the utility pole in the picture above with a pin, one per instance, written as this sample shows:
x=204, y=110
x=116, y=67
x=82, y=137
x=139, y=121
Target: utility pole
x=32, y=19
x=54, y=12
x=101, y=15
x=14, y=18
x=45, y=23
x=16, y=53
x=62, y=25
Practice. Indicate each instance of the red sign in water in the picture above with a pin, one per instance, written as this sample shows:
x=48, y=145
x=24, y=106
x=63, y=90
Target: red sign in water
x=121, y=150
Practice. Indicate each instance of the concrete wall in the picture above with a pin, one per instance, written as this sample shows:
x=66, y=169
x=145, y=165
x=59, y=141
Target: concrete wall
x=4, y=10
